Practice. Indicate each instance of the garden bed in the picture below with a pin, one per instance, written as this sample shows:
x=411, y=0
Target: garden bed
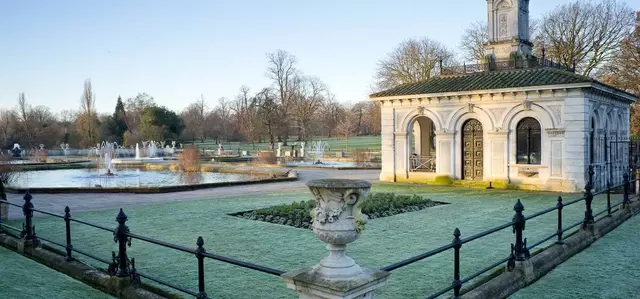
x=377, y=205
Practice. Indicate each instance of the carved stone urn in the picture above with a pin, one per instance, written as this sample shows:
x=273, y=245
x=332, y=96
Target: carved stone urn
x=337, y=221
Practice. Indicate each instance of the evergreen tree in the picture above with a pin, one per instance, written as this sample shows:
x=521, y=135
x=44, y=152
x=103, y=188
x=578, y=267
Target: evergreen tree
x=118, y=122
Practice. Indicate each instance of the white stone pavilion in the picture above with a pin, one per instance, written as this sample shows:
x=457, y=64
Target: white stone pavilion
x=516, y=119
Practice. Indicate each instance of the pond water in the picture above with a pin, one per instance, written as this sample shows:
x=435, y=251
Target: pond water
x=121, y=178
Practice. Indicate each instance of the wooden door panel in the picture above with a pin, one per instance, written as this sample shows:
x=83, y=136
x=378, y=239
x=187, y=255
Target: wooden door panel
x=472, y=150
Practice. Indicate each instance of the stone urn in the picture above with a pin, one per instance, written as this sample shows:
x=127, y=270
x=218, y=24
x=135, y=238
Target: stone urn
x=337, y=221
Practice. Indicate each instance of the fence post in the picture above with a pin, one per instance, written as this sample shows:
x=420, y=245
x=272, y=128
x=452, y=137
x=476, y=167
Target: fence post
x=519, y=250
x=457, y=243
x=120, y=236
x=588, y=214
x=608, y=198
x=28, y=229
x=559, y=206
x=199, y=254
x=625, y=198
x=67, y=222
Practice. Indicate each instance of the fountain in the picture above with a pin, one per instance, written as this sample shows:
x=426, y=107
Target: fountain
x=145, y=155
x=106, y=151
x=318, y=147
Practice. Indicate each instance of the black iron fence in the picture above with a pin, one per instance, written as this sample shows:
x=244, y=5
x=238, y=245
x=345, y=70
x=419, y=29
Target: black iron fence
x=121, y=265
x=520, y=250
x=611, y=156
x=504, y=64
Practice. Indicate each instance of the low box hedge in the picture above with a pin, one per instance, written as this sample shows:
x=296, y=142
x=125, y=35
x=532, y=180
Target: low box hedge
x=377, y=205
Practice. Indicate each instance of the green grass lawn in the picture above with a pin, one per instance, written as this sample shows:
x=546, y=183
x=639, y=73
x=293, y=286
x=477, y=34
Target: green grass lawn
x=21, y=277
x=384, y=241
x=333, y=144
x=608, y=268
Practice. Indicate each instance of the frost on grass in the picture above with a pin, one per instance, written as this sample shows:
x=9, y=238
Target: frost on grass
x=377, y=205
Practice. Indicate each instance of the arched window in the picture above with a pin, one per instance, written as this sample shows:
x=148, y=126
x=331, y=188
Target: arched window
x=528, y=141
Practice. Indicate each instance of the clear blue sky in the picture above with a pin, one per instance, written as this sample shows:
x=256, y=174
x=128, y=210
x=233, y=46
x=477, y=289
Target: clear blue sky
x=177, y=50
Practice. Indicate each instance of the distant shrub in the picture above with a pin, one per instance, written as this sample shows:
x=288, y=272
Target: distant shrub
x=8, y=172
x=266, y=157
x=189, y=159
x=377, y=205
x=362, y=157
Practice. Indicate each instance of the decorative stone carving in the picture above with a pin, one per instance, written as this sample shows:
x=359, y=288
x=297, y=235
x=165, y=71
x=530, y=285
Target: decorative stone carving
x=526, y=105
x=557, y=111
x=470, y=107
x=445, y=115
x=503, y=26
x=420, y=110
x=337, y=221
x=497, y=113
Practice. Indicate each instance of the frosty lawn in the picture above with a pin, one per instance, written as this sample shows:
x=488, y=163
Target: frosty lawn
x=24, y=278
x=385, y=240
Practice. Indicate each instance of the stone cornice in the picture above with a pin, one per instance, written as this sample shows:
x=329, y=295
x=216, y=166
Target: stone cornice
x=400, y=134
x=445, y=132
x=498, y=132
x=563, y=87
x=555, y=132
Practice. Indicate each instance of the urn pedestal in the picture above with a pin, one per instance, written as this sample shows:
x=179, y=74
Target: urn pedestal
x=337, y=221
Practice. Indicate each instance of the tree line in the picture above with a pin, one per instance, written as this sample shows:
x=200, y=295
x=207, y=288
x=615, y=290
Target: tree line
x=598, y=38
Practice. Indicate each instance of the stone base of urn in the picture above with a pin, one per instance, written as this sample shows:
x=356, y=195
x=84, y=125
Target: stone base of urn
x=310, y=285
x=337, y=221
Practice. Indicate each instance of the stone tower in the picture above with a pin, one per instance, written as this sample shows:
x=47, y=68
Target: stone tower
x=508, y=25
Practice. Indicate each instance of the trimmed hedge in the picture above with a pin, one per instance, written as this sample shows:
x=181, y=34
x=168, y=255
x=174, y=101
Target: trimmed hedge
x=377, y=205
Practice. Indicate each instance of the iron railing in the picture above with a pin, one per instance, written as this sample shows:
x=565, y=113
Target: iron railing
x=120, y=264
x=520, y=250
x=422, y=163
x=504, y=64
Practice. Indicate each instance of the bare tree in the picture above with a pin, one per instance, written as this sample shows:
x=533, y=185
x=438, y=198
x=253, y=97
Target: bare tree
x=8, y=122
x=411, y=61
x=347, y=126
x=282, y=72
x=586, y=33
x=476, y=36
x=87, y=121
x=268, y=111
x=310, y=96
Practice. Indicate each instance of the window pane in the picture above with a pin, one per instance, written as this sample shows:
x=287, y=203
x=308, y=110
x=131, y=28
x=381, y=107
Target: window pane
x=528, y=141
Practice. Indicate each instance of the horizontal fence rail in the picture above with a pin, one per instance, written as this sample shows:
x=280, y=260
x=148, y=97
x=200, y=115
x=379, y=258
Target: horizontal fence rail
x=520, y=251
x=122, y=266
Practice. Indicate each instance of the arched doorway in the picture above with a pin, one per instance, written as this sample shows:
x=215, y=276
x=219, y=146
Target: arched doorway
x=422, y=156
x=472, y=150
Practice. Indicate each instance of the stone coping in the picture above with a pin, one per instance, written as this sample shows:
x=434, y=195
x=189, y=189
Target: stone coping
x=55, y=259
x=142, y=190
x=338, y=183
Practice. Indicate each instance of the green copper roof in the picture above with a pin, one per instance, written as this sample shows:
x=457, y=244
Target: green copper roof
x=487, y=80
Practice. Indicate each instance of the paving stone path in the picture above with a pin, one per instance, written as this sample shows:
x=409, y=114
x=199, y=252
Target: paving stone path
x=80, y=202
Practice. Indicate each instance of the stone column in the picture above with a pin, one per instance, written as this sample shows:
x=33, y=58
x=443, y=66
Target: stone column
x=401, y=157
x=445, y=156
x=498, y=153
x=337, y=221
